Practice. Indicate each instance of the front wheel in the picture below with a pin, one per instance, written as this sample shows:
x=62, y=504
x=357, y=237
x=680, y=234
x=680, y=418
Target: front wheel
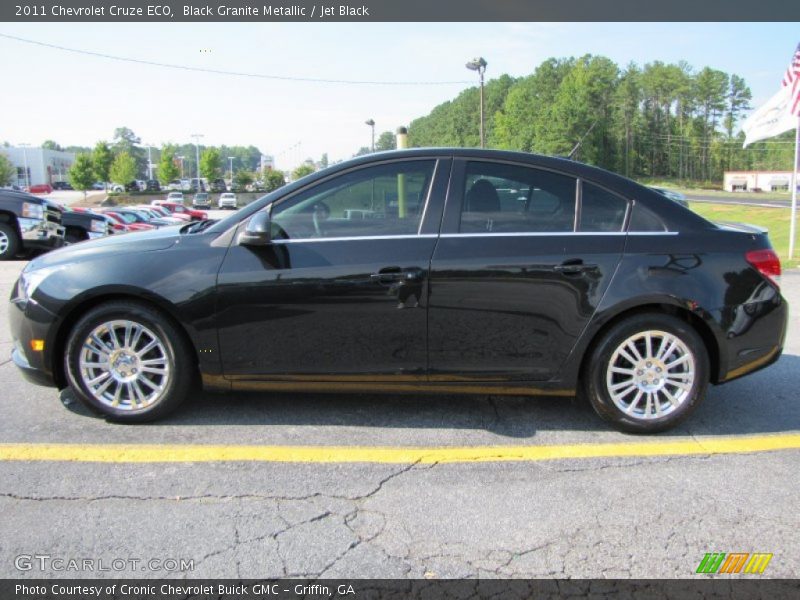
x=647, y=373
x=128, y=362
x=9, y=241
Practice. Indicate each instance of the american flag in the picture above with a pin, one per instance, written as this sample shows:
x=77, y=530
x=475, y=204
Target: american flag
x=792, y=78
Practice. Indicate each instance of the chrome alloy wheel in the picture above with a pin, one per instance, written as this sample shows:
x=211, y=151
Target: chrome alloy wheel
x=650, y=374
x=4, y=242
x=124, y=365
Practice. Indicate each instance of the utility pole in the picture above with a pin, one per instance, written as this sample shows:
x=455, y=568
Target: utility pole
x=196, y=137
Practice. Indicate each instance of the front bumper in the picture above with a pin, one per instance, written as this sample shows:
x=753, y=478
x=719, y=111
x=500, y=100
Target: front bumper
x=38, y=233
x=29, y=321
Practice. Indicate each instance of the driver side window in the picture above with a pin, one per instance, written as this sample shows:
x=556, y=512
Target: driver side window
x=387, y=199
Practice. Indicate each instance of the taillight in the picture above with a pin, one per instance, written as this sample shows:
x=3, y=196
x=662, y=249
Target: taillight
x=767, y=263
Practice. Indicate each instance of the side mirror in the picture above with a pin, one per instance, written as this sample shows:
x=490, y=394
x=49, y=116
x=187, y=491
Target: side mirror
x=257, y=232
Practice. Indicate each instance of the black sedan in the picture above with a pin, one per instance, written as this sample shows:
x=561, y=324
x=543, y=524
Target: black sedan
x=424, y=270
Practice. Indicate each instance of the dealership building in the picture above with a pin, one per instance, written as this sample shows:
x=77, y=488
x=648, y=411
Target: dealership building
x=757, y=181
x=43, y=165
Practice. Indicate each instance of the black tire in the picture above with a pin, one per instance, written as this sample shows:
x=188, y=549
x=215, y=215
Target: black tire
x=176, y=349
x=596, y=375
x=9, y=241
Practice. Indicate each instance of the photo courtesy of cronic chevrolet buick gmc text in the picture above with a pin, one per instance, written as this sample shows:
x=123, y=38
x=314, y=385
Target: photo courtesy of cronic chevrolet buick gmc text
x=428, y=270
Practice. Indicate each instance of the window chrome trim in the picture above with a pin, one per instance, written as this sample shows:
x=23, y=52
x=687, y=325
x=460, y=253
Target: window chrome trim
x=555, y=233
x=355, y=238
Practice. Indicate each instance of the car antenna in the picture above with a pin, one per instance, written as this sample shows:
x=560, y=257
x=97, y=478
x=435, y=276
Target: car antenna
x=580, y=141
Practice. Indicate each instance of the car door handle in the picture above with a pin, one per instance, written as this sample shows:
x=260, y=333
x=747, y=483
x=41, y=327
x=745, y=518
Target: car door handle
x=573, y=267
x=393, y=274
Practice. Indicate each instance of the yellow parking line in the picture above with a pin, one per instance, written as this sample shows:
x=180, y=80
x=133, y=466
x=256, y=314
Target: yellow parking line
x=144, y=453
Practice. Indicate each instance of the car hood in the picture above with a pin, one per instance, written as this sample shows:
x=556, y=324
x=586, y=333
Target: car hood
x=141, y=241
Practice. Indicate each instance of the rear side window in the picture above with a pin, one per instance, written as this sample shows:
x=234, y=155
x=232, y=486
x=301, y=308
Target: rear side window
x=601, y=210
x=644, y=220
x=501, y=198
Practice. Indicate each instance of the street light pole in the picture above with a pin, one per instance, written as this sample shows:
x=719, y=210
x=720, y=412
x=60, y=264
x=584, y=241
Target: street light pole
x=371, y=123
x=149, y=162
x=196, y=137
x=230, y=158
x=180, y=158
x=479, y=65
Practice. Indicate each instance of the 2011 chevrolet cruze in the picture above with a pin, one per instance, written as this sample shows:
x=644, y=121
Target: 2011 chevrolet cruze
x=435, y=270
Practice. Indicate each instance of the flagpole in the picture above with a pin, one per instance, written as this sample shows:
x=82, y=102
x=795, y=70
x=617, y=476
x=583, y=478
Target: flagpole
x=794, y=188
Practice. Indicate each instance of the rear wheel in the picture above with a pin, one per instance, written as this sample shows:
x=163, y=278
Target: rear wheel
x=9, y=241
x=128, y=362
x=648, y=373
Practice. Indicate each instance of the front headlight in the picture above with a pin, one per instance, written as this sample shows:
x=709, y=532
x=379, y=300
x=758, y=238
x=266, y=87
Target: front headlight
x=32, y=211
x=98, y=226
x=30, y=280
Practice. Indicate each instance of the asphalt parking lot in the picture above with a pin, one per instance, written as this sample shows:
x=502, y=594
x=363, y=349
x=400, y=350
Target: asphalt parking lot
x=323, y=513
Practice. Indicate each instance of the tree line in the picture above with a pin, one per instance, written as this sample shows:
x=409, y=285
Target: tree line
x=654, y=121
x=125, y=159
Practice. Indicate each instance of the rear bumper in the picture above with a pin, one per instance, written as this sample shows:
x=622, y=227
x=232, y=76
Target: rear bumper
x=755, y=334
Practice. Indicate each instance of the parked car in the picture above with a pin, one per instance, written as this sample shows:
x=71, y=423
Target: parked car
x=201, y=200
x=116, y=188
x=175, y=197
x=145, y=216
x=218, y=185
x=152, y=185
x=27, y=223
x=570, y=279
x=84, y=225
x=98, y=185
x=163, y=212
x=129, y=222
x=673, y=195
x=157, y=217
x=174, y=207
x=40, y=188
x=133, y=186
x=227, y=200
x=61, y=185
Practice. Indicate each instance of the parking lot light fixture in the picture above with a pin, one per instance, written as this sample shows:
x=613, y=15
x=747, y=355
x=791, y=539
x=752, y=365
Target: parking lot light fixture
x=196, y=137
x=231, y=158
x=479, y=64
x=371, y=123
x=149, y=161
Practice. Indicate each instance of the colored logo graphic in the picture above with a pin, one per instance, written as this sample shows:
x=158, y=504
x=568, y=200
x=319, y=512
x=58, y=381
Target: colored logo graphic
x=736, y=562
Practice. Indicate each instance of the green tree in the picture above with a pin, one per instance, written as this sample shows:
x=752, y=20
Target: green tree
x=302, y=171
x=123, y=169
x=102, y=157
x=51, y=145
x=323, y=161
x=386, y=141
x=273, y=180
x=127, y=141
x=81, y=174
x=7, y=170
x=211, y=164
x=242, y=178
x=167, y=167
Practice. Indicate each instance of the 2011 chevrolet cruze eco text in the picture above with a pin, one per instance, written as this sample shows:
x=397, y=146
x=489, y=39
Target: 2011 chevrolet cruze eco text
x=430, y=270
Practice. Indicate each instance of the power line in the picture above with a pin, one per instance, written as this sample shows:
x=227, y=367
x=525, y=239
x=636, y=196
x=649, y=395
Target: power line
x=223, y=72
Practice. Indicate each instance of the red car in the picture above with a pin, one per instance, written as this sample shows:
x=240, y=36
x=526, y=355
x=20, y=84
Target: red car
x=175, y=207
x=41, y=188
x=129, y=224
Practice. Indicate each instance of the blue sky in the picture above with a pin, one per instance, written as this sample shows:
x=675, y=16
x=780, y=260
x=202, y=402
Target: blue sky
x=78, y=99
